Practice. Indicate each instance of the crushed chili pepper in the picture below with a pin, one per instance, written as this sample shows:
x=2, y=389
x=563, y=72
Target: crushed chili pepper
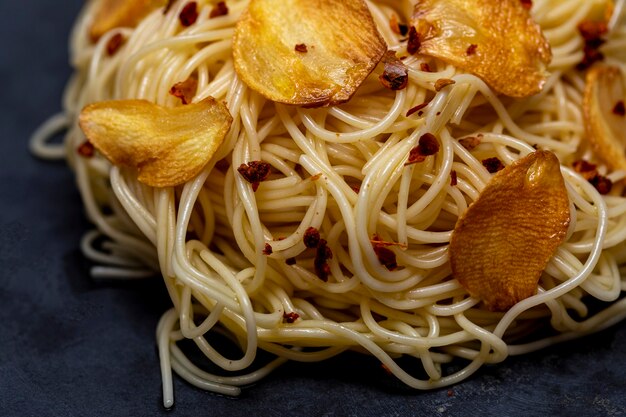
x=396, y=74
x=268, y=249
x=311, y=237
x=189, y=14
x=322, y=255
x=493, y=165
x=443, y=82
x=426, y=146
x=602, y=184
x=86, y=149
x=471, y=142
x=220, y=9
x=386, y=257
x=291, y=317
x=424, y=67
x=527, y=4
x=471, y=50
x=301, y=48
x=592, y=32
x=453, y=178
x=115, y=43
x=254, y=172
x=416, y=109
x=585, y=168
x=619, y=109
x=413, y=44
x=290, y=261
x=185, y=90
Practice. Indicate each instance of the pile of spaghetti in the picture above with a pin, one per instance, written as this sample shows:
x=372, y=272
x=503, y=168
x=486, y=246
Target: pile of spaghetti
x=425, y=179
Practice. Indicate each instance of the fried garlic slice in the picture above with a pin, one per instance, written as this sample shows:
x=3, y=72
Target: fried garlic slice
x=306, y=52
x=605, y=122
x=502, y=243
x=496, y=40
x=167, y=146
x=120, y=13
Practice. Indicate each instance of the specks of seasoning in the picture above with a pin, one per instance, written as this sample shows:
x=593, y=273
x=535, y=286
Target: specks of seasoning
x=301, y=47
x=426, y=146
x=413, y=43
x=416, y=109
x=185, y=90
x=592, y=33
x=602, y=184
x=220, y=9
x=442, y=83
x=590, y=172
x=268, y=249
x=453, y=178
x=189, y=14
x=254, y=172
x=471, y=50
x=311, y=237
x=115, y=43
x=493, y=165
x=291, y=317
x=386, y=257
x=424, y=67
x=322, y=255
x=86, y=150
x=527, y=4
x=396, y=74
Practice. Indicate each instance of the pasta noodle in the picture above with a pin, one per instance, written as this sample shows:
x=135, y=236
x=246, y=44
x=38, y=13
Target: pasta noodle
x=340, y=170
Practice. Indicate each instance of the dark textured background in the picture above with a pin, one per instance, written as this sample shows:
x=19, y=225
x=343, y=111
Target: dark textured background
x=71, y=347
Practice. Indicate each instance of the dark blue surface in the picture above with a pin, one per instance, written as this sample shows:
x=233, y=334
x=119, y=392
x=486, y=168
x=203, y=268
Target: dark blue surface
x=70, y=347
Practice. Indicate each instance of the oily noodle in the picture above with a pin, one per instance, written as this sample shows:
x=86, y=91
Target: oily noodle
x=341, y=170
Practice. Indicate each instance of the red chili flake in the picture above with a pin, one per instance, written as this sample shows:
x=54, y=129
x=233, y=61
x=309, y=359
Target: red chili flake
x=222, y=165
x=86, y=150
x=323, y=254
x=185, y=90
x=396, y=74
x=220, y=9
x=386, y=257
x=301, y=48
x=592, y=32
x=413, y=44
x=377, y=241
x=619, y=109
x=424, y=67
x=189, y=14
x=290, y=261
x=493, y=165
x=453, y=178
x=471, y=50
x=585, y=168
x=527, y=4
x=426, y=146
x=471, y=142
x=416, y=108
x=254, y=172
x=115, y=43
x=602, y=184
x=311, y=237
x=443, y=82
x=291, y=317
x=268, y=249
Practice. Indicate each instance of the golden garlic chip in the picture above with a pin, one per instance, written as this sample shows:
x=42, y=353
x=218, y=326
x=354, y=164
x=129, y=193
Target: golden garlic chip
x=603, y=110
x=502, y=243
x=306, y=52
x=496, y=40
x=167, y=146
x=120, y=13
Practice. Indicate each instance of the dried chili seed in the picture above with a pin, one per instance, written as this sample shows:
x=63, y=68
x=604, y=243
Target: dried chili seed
x=322, y=255
x=527, y=4
x=585, y=168
x=619, y=109
x=416, y=109
x=189, y=14
x=413, y=44
x=291, y=317
x=86, y=150
x=443, y=82
x=185, y=90
x=493, y=165
x=301, y=48
x=471, y=142
x=453, y=178
x=290, y=261
x=471, y=50
x=268, y=249
x=311, y=237
x=426, y=146
x=254, y=172
x=396, y=74
x=386, y=257
x=424, y=67
x=220, y=9
x=115, y=43
x=602, y=184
